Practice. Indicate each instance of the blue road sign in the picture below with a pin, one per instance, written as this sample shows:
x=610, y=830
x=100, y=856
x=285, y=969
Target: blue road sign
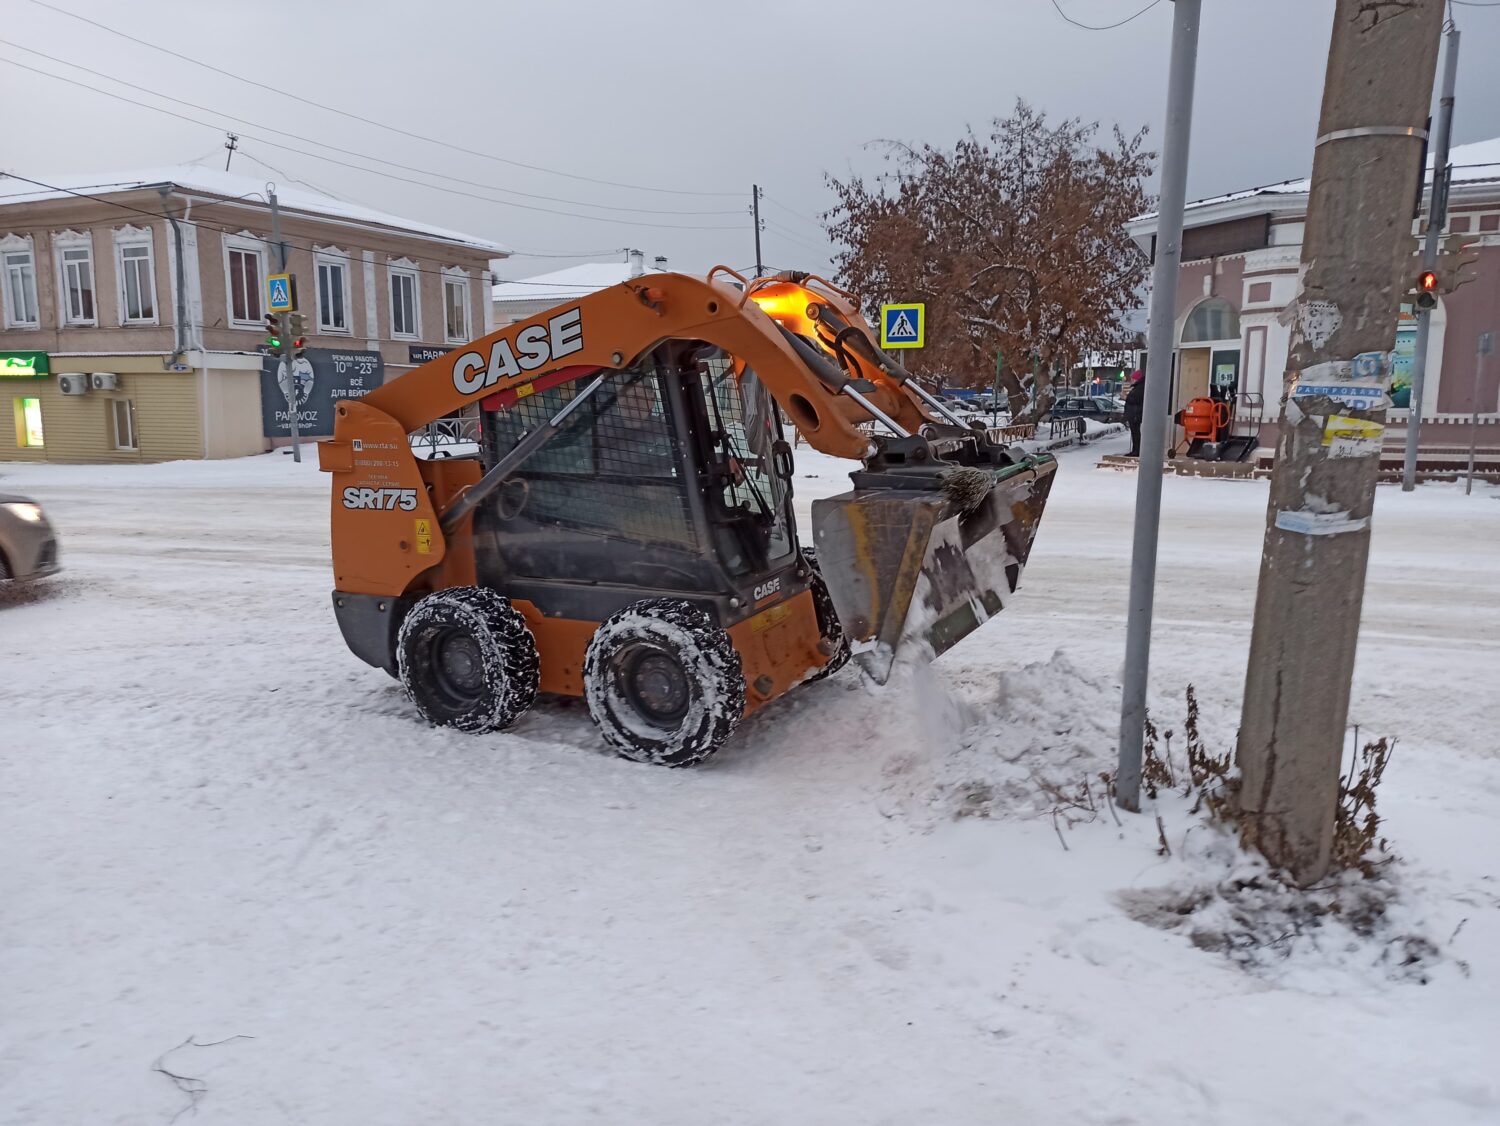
x=903, y=326
x=280, y=296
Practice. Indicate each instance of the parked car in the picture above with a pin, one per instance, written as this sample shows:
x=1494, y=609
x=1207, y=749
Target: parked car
x=1100, y=408
x=28, y=546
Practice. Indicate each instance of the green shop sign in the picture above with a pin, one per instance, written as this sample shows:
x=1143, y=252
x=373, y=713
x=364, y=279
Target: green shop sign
x=22, y=365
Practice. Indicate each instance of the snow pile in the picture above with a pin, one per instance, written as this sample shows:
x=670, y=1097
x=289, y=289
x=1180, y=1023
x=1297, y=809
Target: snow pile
x=1346, y=933
x=1041, y=730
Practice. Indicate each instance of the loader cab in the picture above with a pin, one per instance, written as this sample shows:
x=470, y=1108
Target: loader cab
x=677, y=458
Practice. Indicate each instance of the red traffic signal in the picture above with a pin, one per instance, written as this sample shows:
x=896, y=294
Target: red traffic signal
x=1427, y=289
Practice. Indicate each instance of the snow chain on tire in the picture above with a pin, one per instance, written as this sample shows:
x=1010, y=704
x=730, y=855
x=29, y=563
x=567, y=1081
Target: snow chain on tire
x=468, y=660
x=829, y=627
x=663, y=683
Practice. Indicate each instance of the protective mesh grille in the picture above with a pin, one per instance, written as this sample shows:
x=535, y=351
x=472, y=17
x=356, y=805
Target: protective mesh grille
x=614, y=467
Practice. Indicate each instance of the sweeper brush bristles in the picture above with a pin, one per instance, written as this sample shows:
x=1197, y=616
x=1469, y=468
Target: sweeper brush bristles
x=966, y=487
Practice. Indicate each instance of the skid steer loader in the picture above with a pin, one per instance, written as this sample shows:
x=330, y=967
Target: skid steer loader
x=625, y=531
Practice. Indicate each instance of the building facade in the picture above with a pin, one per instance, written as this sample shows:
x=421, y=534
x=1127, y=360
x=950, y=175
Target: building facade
x=516, y=300
x=134, y=316
x=1241, y=268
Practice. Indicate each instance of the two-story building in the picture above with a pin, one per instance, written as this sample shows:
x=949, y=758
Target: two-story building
x=1241, y=267
x=134, y=309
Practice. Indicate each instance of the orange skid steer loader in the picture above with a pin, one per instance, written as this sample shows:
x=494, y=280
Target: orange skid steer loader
x=625, y=531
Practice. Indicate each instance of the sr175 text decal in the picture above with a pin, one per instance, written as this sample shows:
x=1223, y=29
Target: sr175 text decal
x=387, y=499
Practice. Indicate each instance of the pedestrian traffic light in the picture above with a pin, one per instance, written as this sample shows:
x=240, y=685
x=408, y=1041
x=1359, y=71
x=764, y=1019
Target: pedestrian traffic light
x=1453, y=263
x=1427, y=289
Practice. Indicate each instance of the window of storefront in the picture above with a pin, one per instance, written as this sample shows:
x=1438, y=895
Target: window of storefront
x=20, y=283
x=1213, y=318
x=28, y=415
x=333, y=291
x=405, y=311
x=123, y=414
x=456, y=306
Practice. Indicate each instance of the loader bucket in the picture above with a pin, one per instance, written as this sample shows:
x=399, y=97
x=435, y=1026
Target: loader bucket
x=913, y=570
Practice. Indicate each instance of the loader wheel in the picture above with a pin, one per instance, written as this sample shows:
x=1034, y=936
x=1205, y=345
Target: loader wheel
x=663, y=683
x=468, y=660
x=829, y=628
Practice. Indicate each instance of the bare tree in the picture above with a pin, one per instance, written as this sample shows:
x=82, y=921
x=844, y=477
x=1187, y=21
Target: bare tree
x=1016, y=243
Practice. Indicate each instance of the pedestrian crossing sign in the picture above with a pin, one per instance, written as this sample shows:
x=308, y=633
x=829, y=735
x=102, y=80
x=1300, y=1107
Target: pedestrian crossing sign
x=281, y=294
x=903, y=326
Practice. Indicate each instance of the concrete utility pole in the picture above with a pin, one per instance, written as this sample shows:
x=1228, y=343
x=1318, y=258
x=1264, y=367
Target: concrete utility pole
x=755, y=215
x=1356, y=255
x=284, y=320
x=1437, y=219
x=1158, y=376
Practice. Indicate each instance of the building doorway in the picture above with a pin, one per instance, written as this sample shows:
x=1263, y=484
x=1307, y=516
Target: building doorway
x=1208, y=353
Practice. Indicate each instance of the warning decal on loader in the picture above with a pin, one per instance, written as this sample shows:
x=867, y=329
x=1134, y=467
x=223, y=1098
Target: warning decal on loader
x=424, y=537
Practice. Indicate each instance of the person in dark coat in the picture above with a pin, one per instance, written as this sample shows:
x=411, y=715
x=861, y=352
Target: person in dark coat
x=1135, y=402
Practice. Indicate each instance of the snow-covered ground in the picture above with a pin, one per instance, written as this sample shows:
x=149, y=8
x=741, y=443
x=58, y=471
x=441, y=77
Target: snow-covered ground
x=222, y=826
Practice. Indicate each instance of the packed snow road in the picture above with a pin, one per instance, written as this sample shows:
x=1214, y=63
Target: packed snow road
x=223, y=830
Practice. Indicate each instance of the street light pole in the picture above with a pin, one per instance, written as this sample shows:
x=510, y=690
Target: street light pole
x=1174, y=159
x=1437, y=219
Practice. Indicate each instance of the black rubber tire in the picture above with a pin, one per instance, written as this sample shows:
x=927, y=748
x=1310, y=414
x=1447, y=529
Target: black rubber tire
x=696, y=662
x=829, y=626
x=468, y=660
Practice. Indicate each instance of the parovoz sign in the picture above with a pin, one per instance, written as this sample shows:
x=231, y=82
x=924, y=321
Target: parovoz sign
x=319, y=379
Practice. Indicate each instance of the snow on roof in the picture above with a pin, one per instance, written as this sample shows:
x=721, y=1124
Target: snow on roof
x=564, y=285
x=1472, y=163
x=212, y=181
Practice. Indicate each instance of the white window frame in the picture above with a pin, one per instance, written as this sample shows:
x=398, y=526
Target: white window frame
x=405, y=268
x=129, y=237
x=131, y=442
x=245, y=242
x=12, y=246
x=332, y=258
x=62, y=242
x=458, y=277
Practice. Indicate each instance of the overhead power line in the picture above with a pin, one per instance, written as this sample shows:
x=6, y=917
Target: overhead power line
x=154, y=92
x=1055, y=4
x=343, y=244
x=371, y=121
x=362, y=168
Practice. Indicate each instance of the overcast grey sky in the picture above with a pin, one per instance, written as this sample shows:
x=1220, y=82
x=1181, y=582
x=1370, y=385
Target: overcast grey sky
x=691, y=95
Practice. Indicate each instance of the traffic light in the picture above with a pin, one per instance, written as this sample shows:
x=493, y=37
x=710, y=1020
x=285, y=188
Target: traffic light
x=297, y=330
x=273, y=333
x=1427, y=289
x=1454, y=260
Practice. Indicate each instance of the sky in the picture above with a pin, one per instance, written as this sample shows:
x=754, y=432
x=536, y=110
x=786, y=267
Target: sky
x=645, y=124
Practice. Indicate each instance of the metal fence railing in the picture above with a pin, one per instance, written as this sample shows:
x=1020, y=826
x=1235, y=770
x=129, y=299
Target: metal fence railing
x=445, y=437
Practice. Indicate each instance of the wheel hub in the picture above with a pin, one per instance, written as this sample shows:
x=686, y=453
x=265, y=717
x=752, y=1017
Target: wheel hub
x=657, y=685
x=460, y=663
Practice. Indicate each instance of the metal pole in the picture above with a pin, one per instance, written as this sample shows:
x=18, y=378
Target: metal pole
x=284, y=323
x=1437, y=219
x=755, y=213
x=1486, y=342
x=1154, y=411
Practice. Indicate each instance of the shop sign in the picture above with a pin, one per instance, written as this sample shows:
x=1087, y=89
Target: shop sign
x=319, y=379
x=23, y=365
